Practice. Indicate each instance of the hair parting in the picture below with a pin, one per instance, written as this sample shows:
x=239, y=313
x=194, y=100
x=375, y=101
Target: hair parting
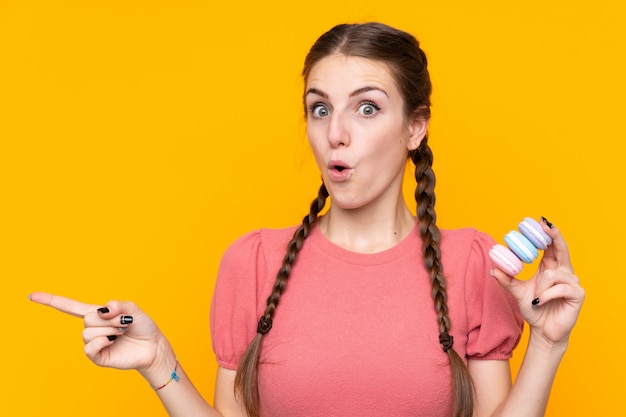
x=246, y=379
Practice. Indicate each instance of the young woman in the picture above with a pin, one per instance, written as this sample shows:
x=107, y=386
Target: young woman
x=365, y=310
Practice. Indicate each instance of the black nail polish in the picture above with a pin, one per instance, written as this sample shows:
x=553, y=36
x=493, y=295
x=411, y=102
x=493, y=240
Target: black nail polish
x=103, y=310
x=550, y=225
x=112, y=337
x=535, y=301
x=126, y=319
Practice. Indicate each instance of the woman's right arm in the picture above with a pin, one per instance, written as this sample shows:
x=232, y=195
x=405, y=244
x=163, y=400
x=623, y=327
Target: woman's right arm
x=120, y=335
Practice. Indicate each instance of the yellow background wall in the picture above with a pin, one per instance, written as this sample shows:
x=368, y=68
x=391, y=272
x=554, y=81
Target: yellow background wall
x=139, y=138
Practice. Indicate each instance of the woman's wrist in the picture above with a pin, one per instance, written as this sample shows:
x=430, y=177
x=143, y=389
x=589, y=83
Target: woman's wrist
x=163, y=365
x=539, y=343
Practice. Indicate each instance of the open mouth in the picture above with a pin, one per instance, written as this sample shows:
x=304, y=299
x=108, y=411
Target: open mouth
x=338, y=167
x=339, y=170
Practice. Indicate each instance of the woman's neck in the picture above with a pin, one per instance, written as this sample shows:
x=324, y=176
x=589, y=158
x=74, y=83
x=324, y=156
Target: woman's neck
x=365, y=230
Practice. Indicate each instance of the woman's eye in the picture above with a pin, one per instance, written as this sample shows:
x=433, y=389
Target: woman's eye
x=368, y=109
x=319, y=110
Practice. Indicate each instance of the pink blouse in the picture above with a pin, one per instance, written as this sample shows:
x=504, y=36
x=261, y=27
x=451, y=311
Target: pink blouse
x=357, y=334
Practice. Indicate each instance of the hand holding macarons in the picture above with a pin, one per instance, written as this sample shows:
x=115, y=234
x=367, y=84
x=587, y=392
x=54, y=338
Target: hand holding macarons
x=551, y=300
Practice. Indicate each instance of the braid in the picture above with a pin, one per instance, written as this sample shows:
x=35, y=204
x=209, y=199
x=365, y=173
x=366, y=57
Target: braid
x=246, y=379
x=431, y=238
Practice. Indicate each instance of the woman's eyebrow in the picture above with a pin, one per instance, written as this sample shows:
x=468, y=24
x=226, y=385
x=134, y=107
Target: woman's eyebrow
x=315, y=91
x=352, y=94
x=366, y=89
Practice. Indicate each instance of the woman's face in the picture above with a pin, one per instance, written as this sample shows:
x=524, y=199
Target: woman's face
x=358, y=130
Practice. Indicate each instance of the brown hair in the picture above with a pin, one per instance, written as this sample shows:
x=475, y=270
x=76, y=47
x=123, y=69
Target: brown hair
x=401, y=52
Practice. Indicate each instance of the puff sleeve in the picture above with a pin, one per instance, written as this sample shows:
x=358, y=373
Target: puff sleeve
x=234, y=308
x=494, y=320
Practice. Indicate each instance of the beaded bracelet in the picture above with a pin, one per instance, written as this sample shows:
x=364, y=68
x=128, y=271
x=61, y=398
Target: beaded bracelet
x=173, y=376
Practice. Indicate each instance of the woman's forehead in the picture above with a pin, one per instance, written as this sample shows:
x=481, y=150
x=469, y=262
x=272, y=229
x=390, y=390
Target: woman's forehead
x=349, y=73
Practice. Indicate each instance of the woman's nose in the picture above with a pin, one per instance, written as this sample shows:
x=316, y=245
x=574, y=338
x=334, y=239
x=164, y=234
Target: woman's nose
x=338, y=130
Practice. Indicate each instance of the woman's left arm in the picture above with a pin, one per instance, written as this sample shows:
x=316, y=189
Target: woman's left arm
x=550, y=302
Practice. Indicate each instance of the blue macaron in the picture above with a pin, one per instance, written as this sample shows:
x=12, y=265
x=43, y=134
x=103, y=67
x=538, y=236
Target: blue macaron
x=521, y=246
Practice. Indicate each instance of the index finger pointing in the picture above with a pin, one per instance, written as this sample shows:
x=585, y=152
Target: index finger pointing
x=63, y=304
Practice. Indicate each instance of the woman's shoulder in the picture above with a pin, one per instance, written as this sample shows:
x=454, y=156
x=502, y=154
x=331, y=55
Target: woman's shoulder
x=266, y=238
x=251, y=262
x=466, y=252
x=466, y=236
x=260, y=244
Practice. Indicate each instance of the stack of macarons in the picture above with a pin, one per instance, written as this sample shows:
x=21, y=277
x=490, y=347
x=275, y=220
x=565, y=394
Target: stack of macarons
x=522, y=247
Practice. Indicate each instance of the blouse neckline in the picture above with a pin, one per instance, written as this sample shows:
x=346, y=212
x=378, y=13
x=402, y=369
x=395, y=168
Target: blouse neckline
x=411, y=244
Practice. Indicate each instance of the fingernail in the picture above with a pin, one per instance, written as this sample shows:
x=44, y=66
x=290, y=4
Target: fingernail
x=550, y=225
x=122, y=329
x=111, y=337
x=126, y=319
x=103, y=310
x=492, y=273
x=535, y=301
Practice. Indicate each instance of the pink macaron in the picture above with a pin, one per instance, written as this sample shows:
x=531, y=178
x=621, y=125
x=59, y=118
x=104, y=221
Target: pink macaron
x=506, y=260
